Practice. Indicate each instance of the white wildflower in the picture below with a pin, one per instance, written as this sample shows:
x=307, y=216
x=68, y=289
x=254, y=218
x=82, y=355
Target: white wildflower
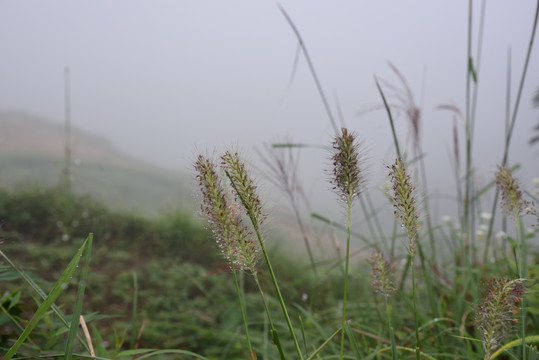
x=486, y=216
x=447, y=219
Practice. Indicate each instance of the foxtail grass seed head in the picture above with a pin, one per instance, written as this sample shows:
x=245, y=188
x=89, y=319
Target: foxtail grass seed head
x=382, y=274
x=512, y=202
x=496, y=315
x=404, y=200
x=214, y=197
x=234, y=239
x=244, y=185
x=347, y=176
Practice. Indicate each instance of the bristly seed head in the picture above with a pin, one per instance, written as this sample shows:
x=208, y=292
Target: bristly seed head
x=383, y=275
x=496, y=314
x=404, y=200
x=243, y=185
x=512, y=202
x=347, y=176
x=234, y=239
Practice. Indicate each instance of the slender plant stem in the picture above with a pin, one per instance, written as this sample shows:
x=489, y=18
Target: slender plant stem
x=254, y=222
x=414, y=300
x=346, y=269
x=509, y=133
x=274, y=335
x=305, y=240
x=521, y=265
x=426, y=203
x=242, y=309
x=388, y=110
x=468, y=174
x=390, y=329
x=311, y=68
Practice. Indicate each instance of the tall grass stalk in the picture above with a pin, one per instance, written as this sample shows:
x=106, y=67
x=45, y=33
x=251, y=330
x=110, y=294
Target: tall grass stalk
x=405, y=209
x=346, y=181
x=513, y=204
x=244, y=188
x=311, y=68
x=509, y=133
x=241, y=303
x=283, y=173
x=231, y=236
x=470, y=75
x=273, y=330
x=384, y=286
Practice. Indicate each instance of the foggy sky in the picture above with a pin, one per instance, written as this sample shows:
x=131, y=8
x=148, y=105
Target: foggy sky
x=161, y=78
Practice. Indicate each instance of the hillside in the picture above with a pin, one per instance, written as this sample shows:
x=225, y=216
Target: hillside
x=32, y=154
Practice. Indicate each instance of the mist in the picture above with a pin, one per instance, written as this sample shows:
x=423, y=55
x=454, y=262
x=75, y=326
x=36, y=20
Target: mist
x=165, y=79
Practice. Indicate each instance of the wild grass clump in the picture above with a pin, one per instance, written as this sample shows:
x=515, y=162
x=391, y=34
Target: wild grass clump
x=496, y=313
x=240, y=300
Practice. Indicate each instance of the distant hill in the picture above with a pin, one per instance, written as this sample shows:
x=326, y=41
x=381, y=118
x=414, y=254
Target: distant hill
x=32, y=154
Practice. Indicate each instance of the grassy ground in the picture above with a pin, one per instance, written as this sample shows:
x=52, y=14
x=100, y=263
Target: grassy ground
x=466, y=288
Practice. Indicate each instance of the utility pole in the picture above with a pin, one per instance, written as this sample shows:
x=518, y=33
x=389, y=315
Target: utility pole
x=67, y=134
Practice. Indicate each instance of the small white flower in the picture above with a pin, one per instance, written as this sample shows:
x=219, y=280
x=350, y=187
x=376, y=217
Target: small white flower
x=483, y=227
x=447, y=219
x=501, y=235
x=486, y=216
x=480, y=233
x=530, y=231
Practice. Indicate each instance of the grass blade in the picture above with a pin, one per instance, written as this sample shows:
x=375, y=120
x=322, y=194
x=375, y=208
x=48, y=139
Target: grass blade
x=134, y=311
x=49, y=300
x=77, y=310
x=146, y=353
x=534, y=339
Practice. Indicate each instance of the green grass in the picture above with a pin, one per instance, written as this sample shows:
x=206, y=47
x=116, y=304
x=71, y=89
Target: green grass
x=158, y=287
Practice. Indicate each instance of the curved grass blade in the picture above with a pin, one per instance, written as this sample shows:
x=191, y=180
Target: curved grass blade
x=77, y=309
x=146, y=353
x=34, y=286
x=324, y=344
x=534, y=339
x=352, y=340
x=49, y=300
x=341, y=227
x=422, y=354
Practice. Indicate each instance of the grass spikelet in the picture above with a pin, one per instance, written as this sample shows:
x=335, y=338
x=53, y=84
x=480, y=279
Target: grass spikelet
x=512, y=202
x=346, y=173
x=382, y=274
x=404, y=200
x=496, y=314
x=246, y=197
x=234, y=239
x=244, y=186
x=346, y=181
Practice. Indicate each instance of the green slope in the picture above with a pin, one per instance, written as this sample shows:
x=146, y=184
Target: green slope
x=31, y=154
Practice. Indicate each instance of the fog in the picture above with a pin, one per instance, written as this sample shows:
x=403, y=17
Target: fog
x=164, y=78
